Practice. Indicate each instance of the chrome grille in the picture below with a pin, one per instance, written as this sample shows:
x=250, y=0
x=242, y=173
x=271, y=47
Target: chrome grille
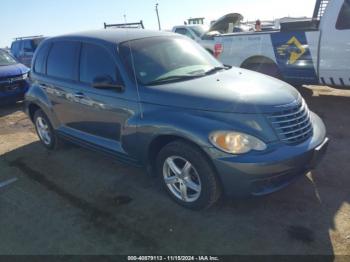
x=293, y=125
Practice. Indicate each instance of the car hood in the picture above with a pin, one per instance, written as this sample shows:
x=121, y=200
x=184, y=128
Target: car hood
x=13, y=70
x=232, y=91
x=222, y=25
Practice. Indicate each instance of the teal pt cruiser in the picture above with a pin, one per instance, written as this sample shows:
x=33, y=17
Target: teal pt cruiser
x=161, y=102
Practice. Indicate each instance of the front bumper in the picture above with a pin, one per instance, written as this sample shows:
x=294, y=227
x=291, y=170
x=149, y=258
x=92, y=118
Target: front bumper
x=274, y=183
x=11, y=96
x=261, y=173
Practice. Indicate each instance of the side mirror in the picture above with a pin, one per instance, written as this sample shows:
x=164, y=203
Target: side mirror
x=106, y=82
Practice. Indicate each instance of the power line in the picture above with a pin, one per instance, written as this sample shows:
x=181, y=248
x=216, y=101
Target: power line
x=160, y=28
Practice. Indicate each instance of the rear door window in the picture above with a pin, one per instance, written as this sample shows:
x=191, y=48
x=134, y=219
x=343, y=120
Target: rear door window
x=61, y=62
x=27, y=46
x=15, y=48
x=40, y=61
x=95, y=62
x=36, y=42
x=343, y=22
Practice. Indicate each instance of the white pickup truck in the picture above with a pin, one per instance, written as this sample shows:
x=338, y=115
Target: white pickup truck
x=205, y=37
x=198, y=34
x=316, y=51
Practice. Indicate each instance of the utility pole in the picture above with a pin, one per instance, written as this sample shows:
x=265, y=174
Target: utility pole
x=158, y=17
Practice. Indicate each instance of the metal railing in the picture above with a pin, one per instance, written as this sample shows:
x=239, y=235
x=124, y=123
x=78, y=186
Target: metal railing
x=138, y=25
x=320, y=8
x=28, y=37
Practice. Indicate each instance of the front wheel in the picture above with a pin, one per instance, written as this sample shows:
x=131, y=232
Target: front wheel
x=186, y=175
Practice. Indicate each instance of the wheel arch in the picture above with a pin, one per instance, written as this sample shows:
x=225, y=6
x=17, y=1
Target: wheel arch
x=32, y=109
x=258, y=59
x=262, y=64
x=161, y=141
x=35, y=99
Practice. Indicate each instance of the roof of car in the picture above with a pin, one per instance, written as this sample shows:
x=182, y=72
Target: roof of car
x=115, y=35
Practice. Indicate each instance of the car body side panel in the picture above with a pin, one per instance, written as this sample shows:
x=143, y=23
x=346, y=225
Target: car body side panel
x=99, y=119
x=195, y=125
x=122, y=143
x=335, y=47
x=313, y=40
x=295, y=53
x=239, y=47
x=294, y=58
x=38, y=97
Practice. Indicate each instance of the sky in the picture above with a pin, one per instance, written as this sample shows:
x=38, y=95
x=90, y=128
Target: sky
x=50, y=18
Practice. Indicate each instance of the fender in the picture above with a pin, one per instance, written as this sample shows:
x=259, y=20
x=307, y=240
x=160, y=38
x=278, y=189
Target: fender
x=37, y=96
x=246, y=57
x=193, y=126
x=239, y=47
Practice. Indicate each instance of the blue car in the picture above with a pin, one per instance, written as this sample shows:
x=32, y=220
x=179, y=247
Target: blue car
x=23, y=48
x=160, y=101
x=13, y=79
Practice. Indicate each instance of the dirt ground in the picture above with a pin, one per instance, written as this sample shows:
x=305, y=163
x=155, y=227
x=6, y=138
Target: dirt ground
x=76, y=201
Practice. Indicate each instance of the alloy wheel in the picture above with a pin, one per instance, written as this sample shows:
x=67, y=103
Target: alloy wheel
x=43, y=130
x=182, y=179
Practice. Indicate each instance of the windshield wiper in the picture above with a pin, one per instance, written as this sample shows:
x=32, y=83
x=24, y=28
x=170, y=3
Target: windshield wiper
x=187, y=77
x=216, y=69
x=173, y=78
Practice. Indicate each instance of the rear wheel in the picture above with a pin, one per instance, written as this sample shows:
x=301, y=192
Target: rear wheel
x=269, y=69
x=186, y=175
x=45, y=130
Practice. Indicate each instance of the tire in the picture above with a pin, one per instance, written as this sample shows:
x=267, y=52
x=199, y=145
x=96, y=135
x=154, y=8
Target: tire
x=267, y=69
x=192, y=172
x=42, y=125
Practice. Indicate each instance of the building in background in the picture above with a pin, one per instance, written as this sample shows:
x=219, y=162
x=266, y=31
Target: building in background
x=196, y=21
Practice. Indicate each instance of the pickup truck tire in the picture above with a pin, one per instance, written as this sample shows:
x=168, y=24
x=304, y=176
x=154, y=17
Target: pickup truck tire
x=269, y=69
x=187, y=176
x=45, y=131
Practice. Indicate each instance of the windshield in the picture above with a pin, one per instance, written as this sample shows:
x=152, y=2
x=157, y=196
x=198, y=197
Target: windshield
x=6, y=59
x=171, y=58
x=198, y=30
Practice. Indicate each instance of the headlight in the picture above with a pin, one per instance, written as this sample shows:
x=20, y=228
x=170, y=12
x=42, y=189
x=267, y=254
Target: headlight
x=235, y=142
x=25, y=76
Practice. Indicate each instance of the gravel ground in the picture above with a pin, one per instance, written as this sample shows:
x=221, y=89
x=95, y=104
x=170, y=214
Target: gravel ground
x=76, y=201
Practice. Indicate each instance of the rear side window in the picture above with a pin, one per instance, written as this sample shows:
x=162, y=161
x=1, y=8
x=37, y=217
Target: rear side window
x=27, y=46
x=40, y=61
x=61, y=62
x=343, y=22
x=15, y=48
x=95, y=62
